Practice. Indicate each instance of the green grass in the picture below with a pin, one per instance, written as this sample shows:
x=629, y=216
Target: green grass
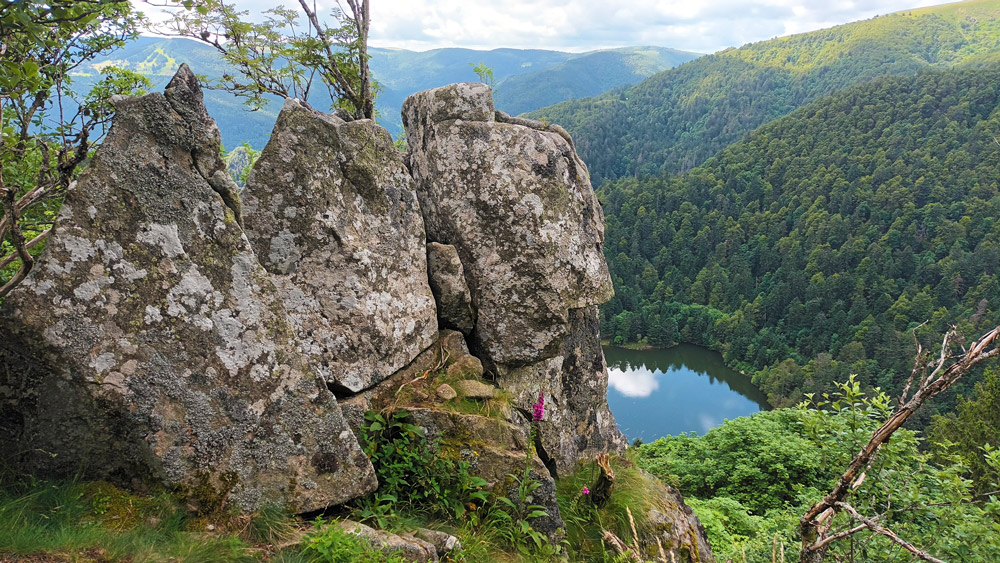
x=633, y=489
x=97, y=521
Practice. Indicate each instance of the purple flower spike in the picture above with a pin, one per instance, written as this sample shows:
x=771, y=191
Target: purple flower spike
x=538, y=409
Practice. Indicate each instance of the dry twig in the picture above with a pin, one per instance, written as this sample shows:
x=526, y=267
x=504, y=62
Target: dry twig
x=934, y=377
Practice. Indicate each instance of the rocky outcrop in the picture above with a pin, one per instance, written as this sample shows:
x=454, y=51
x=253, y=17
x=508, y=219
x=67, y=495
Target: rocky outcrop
x=673, y=526
x=410, y=547
x=478, y=431
x=159, y=341
x=515, y=201
x=150, y=346
x=517, y=205
x=332, y=214
x=577, y=424
x=451, y=292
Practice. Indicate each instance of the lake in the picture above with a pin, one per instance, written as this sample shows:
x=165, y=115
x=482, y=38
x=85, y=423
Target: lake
x=686, y=388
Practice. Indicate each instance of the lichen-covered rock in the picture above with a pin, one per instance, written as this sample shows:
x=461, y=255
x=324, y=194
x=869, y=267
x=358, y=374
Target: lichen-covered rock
x=468, y=367
x=475, y=389
x=499, y=452
x=449, y=347
x=447, y=279
x=578, y=423
x=150, y=346
x=332, y=214
x=515, y=201
x=676, y=528
x=444, y=543
x=517, y=205
x=446, y=392
x=410, y=546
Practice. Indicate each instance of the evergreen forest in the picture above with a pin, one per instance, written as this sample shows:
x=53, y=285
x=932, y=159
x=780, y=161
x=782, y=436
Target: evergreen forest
x=809, y=250
x=677, y=119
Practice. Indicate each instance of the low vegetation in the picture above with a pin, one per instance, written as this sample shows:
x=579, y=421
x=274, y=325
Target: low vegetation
x=750, y=501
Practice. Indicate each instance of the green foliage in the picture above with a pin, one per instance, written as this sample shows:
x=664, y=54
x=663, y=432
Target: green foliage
x=633, y=490
x=923, y=499
x=972, y=432
x=285, y=52
x=679, y=118
x=762, y=461
x=737, y=535
x=509, y=521
x=97, y=518
x=240, y=161
x=484, y=73
x=807, y=251
x=413, y=475
x=47, y=130
x=331, y=544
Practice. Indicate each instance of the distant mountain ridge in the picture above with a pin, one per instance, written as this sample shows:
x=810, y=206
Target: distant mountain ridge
x=543, y=77
x=675, y=120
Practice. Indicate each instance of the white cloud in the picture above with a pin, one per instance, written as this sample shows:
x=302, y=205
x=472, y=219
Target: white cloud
x=582, y=25
x=634, y=382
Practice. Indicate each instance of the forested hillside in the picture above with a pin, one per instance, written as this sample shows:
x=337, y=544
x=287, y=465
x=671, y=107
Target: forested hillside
x=807, y=251
x=677, y=119
x=589, y=74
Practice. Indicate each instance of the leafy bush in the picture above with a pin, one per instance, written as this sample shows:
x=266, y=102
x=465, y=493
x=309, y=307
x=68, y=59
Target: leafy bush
x=413, y=476
x=331, y=544
x=762, y=461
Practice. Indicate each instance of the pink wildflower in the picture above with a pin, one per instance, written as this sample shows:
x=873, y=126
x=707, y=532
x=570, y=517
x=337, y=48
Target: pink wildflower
x=586, y=491
x=538, y=409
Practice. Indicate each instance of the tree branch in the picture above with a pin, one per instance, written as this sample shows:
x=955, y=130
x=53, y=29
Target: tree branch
x=16, y=237
x=946, y=371
x=874, y=526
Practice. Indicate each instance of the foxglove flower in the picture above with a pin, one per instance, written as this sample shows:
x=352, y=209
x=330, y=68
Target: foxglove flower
x=538, y=409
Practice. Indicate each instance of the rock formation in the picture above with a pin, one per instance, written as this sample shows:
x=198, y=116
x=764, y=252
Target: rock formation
x=451, y=291
x=158, y=342
x=332, y=213
x=150, y=346
x=515, y=201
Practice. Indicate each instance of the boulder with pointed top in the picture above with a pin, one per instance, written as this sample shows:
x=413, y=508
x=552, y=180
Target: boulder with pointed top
x=332, y=213
x=517, y=205
x=150, y=346
x=514, y=199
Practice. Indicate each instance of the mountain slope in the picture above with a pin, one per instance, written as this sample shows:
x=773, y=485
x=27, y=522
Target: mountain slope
x=823, y=236
x=677, y=119
x=589, y=74
x=398, y=72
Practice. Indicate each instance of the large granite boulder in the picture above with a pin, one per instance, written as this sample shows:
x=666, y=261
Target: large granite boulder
x=515, y=201
x=332, y=214
x=149, y=346
x=517, y=205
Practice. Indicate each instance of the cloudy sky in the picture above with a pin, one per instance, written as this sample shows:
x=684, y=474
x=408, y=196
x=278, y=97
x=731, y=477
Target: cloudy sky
x=703, y=26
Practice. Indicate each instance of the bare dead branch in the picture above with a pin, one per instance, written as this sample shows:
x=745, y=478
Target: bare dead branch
x=943, y=374
x=874, y=526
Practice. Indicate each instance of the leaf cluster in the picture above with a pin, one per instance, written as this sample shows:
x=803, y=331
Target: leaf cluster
x=413, y=474
x=331, y=544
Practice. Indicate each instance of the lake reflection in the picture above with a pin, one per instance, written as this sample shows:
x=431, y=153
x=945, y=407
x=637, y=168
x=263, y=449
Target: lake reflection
x=686, y=388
